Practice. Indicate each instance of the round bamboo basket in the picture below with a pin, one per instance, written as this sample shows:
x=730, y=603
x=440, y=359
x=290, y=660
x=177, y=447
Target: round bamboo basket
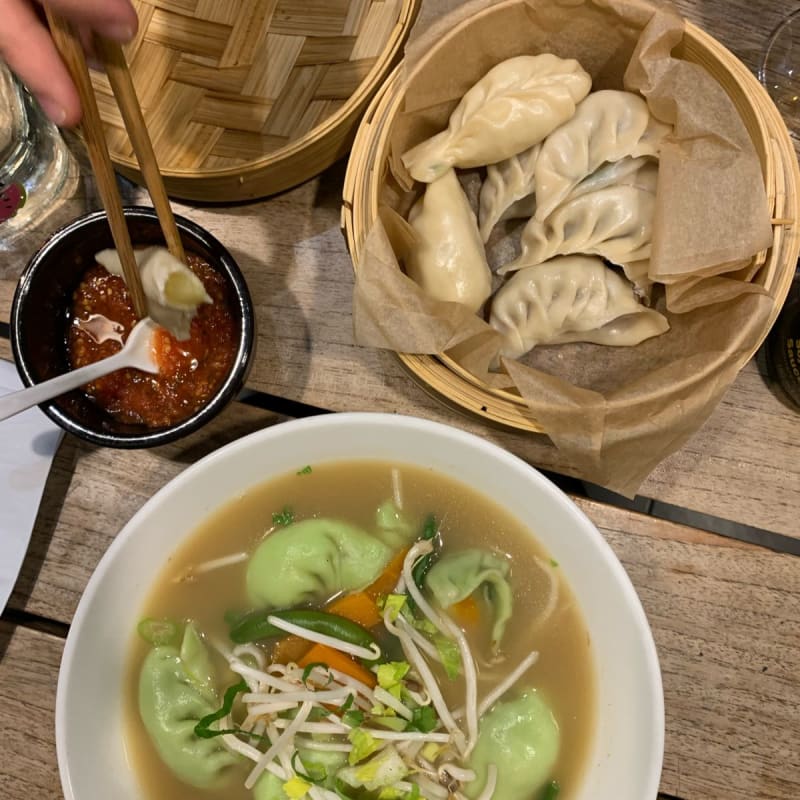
x=445, y=379
x=246, y=98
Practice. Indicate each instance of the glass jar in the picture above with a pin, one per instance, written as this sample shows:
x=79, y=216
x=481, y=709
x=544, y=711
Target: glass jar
x=36, y=167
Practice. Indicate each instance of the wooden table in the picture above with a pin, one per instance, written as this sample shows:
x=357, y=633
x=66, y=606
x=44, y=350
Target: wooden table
x=725, y=614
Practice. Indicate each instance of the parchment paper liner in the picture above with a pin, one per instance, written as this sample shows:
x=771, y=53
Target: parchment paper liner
x=614, y=412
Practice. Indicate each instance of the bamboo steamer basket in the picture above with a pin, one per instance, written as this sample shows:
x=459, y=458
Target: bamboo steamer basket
x=246, y=98
x=450, y=383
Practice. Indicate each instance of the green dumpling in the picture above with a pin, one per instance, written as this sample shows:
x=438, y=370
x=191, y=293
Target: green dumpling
x=311, y=560
x=176, y=690
x=455, y=576
x=521, y=738
x=393, y=527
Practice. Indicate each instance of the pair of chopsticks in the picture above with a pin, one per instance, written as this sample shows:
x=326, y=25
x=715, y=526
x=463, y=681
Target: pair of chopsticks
x=121, y=84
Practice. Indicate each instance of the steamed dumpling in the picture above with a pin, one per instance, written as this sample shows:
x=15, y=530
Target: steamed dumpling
x=173, y=292
x=607, y=126
x=615, y=222
x=513, y=107
x=448, y=261
x=455, y=576
x=641, y=171
x=521, y=738
x=571, y=299
x=310, y=561
x=508, y=189
x=176, y=690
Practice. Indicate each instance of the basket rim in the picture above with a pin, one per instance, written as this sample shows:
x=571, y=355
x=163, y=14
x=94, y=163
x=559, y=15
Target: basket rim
x=371, y=83
x=786, y=238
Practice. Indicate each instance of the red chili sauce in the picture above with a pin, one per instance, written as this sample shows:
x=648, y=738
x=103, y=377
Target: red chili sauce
x=190, y=371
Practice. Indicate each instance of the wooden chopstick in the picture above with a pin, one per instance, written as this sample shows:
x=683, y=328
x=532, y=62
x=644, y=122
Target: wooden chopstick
x=71, y=51
x=121, y=84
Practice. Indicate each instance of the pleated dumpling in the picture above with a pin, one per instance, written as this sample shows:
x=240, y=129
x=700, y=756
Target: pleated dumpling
x=615, y=222
x=513, y=107
x=607, y=126
x=508, y=189
x=448, y=261
x=509, y=192
x=571, y=299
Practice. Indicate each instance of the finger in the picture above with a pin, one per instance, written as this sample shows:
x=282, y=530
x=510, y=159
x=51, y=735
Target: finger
x=27, y=48
x=115, y=19
x=86, y=37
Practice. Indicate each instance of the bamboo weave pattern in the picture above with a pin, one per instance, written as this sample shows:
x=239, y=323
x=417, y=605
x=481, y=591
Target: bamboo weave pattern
x=225, y=82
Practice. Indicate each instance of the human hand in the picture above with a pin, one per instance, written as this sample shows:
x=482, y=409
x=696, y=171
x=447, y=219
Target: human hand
x=27, y=48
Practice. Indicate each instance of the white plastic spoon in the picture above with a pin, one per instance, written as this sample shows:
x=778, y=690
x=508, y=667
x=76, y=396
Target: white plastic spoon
x=137, y=352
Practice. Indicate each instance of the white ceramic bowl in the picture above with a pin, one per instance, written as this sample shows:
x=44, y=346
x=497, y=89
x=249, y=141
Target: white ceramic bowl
x=629, y=741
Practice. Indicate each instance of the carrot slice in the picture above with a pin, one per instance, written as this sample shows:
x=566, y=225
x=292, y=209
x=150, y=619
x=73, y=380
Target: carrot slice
x=387, y=580
x=466, y=611
x=321, y=653
x=358, y=607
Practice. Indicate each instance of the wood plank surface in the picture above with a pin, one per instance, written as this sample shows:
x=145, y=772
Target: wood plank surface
x=28, y=672
x=743, y=465
x=726, y=620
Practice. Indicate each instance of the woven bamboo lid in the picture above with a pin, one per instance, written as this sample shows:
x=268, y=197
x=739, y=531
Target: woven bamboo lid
x=445, y=379
x=245, y=98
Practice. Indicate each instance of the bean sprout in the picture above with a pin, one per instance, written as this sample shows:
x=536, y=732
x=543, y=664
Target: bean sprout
x=371, y=653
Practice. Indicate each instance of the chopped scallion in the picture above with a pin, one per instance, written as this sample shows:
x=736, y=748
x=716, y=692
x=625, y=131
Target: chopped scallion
x=285, y=517
x=158, y=632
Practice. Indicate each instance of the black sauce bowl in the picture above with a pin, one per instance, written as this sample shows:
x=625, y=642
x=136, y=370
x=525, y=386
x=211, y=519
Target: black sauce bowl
x=40, y=315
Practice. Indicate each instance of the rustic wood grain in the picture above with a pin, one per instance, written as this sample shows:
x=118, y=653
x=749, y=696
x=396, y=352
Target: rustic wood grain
x=28, y=671
x=725, y=616
x=726, y=620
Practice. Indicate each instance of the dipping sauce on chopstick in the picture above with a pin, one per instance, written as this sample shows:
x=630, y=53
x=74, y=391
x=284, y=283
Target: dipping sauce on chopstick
x=190, y=371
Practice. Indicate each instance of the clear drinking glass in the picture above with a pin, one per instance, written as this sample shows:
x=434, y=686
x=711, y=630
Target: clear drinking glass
x=35, y=163
x=779, y=70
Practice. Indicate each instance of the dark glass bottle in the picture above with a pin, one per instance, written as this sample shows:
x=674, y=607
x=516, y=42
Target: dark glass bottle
x=783, y=345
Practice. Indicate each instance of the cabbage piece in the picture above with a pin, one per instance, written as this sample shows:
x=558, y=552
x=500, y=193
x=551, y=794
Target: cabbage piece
x=521, y=738
x=455, y=576
x=311, y=560
x=176, y=690
x=384, y=769
x=316, y=763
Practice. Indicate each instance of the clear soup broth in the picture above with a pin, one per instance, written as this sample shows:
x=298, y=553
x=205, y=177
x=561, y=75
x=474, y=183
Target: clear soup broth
x=352, y=491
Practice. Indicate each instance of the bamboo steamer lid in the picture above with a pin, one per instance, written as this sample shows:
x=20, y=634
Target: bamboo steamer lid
x=450, y=383
x=245, y=98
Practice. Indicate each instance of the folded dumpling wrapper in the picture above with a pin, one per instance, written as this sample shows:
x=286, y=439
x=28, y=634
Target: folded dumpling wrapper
x=571, y=299
x=614, y=413
x=173, y=291
x=607, y=127
x=615, y=222
x=448, y=260
x=511, y=108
